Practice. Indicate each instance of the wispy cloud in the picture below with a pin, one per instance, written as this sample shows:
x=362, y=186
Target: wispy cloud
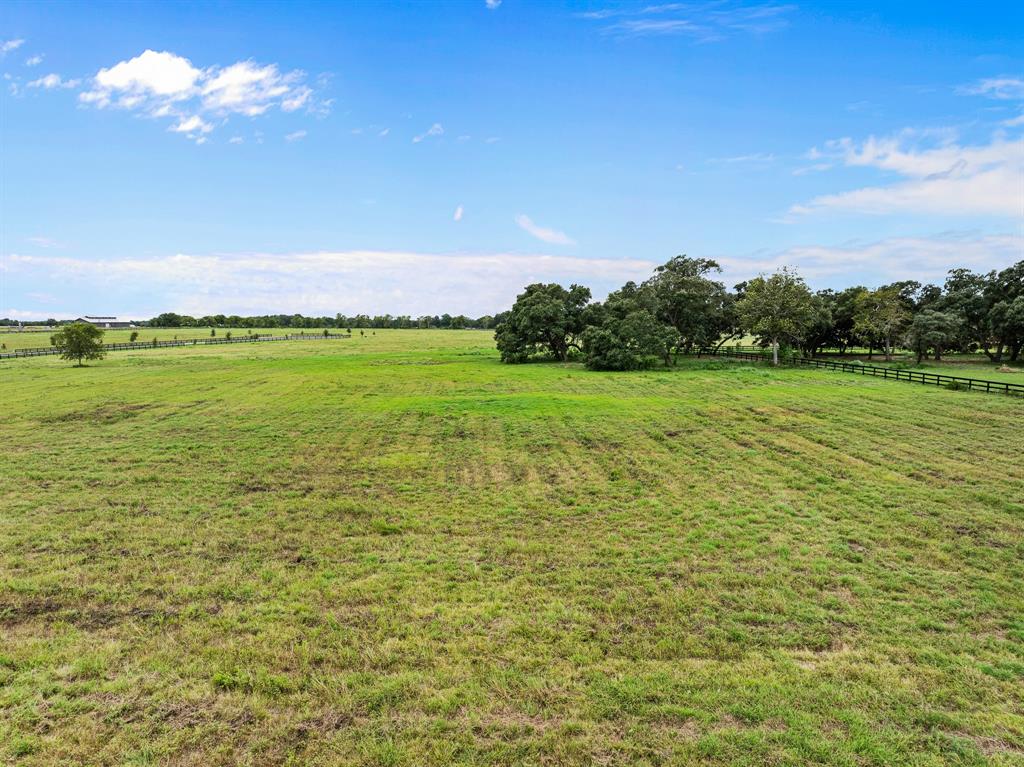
x=43, y=242
x=702, y=21
x=6, y=46
x=457, y=216
x=32, y=61
x=552, y=236
x=296, y=136
x=1003, y=88
x=758, y=158
x=492, y=4
x=53, y=80
x=434, y=130
x=939, y=176
x=161, y=84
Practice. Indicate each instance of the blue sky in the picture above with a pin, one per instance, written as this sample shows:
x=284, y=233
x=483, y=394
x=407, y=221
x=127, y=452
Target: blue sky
x=423, y=158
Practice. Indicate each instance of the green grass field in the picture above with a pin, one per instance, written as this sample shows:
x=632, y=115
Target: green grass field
x=14, y=341
x=394, y=550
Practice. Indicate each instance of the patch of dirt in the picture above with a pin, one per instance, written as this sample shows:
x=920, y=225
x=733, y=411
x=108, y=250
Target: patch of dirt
x=505, y=719
x=108, y=413
x=12, y=614
x=991, y=746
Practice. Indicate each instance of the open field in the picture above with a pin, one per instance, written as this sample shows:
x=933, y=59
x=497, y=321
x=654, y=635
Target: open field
x=32, y=340
x=393, y=550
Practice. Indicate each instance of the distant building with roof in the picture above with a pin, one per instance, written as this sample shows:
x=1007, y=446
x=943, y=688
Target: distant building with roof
x=106, y=322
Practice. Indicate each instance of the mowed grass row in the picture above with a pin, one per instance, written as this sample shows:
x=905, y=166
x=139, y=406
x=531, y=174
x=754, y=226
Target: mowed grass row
x=394, y=550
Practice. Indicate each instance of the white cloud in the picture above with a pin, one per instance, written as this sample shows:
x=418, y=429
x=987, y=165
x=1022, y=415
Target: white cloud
x=165, y=85
x=544, y=234
x=458, y=214
x=296, y=136
x=1003, y=88
x=923, y=258
x=493, y=4
x=193, y=125
x=150, y=74
x=297, y=99
x=6, y=46
x=943, y=177
x=51, y=81
x=251, y=90
x=323, y=282
x=384, y=132
x=236, y=140
x=434, y=130
x=32, y=61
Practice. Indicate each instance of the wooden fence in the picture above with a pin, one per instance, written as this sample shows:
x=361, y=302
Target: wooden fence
x=756, y=354
x=45, y=351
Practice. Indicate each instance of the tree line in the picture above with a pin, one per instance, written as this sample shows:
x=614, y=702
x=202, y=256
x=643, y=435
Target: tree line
x=358, y=321
x=300, y=321
x=683, y=307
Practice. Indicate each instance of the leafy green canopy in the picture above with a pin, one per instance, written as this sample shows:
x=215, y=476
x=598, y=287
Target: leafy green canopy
x=699, y=308
x=779, y=307
x=80, y=341
x=933, y=330
x=626, y=332
x=545, y=319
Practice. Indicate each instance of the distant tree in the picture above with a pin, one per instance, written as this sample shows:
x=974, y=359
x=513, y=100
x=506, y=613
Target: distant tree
x=932, y=330
x=544, y=319
x=844, y=310
x=881, y=315
x=133, y=337
x=213, y=332
x=777, y=308
x=53, y=340
x=167, y=320
x=821, y=331
x=1005, y=294
x=80, y=341
x=227, y=335
x=1007, y=318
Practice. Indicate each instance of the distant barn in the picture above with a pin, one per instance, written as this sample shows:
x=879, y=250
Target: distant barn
x=106, y=322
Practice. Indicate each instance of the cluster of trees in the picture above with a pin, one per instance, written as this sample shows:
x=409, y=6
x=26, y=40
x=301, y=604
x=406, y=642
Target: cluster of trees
x=683, y=307
x=443, y=321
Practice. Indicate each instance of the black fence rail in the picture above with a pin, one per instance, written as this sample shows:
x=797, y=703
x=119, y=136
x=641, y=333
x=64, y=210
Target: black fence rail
x=45, y=351
x=896, y=374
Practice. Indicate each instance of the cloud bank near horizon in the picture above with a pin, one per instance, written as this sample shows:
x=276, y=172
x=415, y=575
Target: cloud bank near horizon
x=396, y=282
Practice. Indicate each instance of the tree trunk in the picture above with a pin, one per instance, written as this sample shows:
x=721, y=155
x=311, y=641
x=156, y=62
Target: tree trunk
x=775, y=352
x=871, y=352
